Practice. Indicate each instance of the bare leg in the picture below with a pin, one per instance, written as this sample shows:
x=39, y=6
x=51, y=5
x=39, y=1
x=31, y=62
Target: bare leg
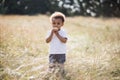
x=61, y=67
x=51, y=67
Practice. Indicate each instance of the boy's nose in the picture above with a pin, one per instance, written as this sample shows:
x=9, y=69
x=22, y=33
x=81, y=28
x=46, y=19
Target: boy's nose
x=56, y=25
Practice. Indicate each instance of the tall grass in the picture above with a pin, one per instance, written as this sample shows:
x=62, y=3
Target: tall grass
x=93, y=48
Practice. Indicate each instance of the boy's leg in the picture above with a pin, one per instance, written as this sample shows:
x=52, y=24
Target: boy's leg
x=56, y=60
x=51, y=62
x=51, y=65
x=61, y=61
x=61, y=65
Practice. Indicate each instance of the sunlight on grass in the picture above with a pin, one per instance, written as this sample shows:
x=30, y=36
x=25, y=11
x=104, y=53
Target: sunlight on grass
x=93, y=48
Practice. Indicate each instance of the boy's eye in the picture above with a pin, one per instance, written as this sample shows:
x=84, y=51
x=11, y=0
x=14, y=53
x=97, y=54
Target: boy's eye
x=58, y=23
x=53, y=23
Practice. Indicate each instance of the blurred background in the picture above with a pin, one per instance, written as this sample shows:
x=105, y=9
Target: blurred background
x=94, y=8
x=93, y=46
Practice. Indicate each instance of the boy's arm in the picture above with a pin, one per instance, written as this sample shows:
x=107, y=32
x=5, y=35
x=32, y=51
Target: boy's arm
x=48, y=39
x=62, y=39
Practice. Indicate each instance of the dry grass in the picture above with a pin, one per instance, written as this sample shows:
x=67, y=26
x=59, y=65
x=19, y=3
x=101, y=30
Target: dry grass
x=93, y=48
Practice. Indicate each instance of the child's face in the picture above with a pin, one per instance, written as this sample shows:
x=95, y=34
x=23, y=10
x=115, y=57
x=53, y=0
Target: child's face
x=57, y=23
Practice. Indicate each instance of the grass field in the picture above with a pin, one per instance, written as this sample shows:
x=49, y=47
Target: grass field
x=93, y=48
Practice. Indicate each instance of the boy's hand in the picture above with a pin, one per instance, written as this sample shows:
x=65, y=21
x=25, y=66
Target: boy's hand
x=55, y=29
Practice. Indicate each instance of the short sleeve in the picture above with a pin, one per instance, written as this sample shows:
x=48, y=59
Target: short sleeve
x=63, y=34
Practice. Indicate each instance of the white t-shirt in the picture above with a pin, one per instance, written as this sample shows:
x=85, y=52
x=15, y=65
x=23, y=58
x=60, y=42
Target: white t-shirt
x=56, y=46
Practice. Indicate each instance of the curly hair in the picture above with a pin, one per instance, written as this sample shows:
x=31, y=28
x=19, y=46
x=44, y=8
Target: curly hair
x=57, y=15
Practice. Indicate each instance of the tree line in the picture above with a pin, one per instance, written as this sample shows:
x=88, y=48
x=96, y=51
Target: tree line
x=69, y=7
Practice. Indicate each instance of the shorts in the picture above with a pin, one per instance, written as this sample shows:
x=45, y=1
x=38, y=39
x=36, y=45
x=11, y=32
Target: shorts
x=59, y=58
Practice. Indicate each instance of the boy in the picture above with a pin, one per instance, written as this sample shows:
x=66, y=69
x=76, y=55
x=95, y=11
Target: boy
x=57, y=38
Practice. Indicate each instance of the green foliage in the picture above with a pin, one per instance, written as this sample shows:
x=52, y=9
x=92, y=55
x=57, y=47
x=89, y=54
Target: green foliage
x=88, y=7
x=24, y=6
x=68, y=7
x=2, y=8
